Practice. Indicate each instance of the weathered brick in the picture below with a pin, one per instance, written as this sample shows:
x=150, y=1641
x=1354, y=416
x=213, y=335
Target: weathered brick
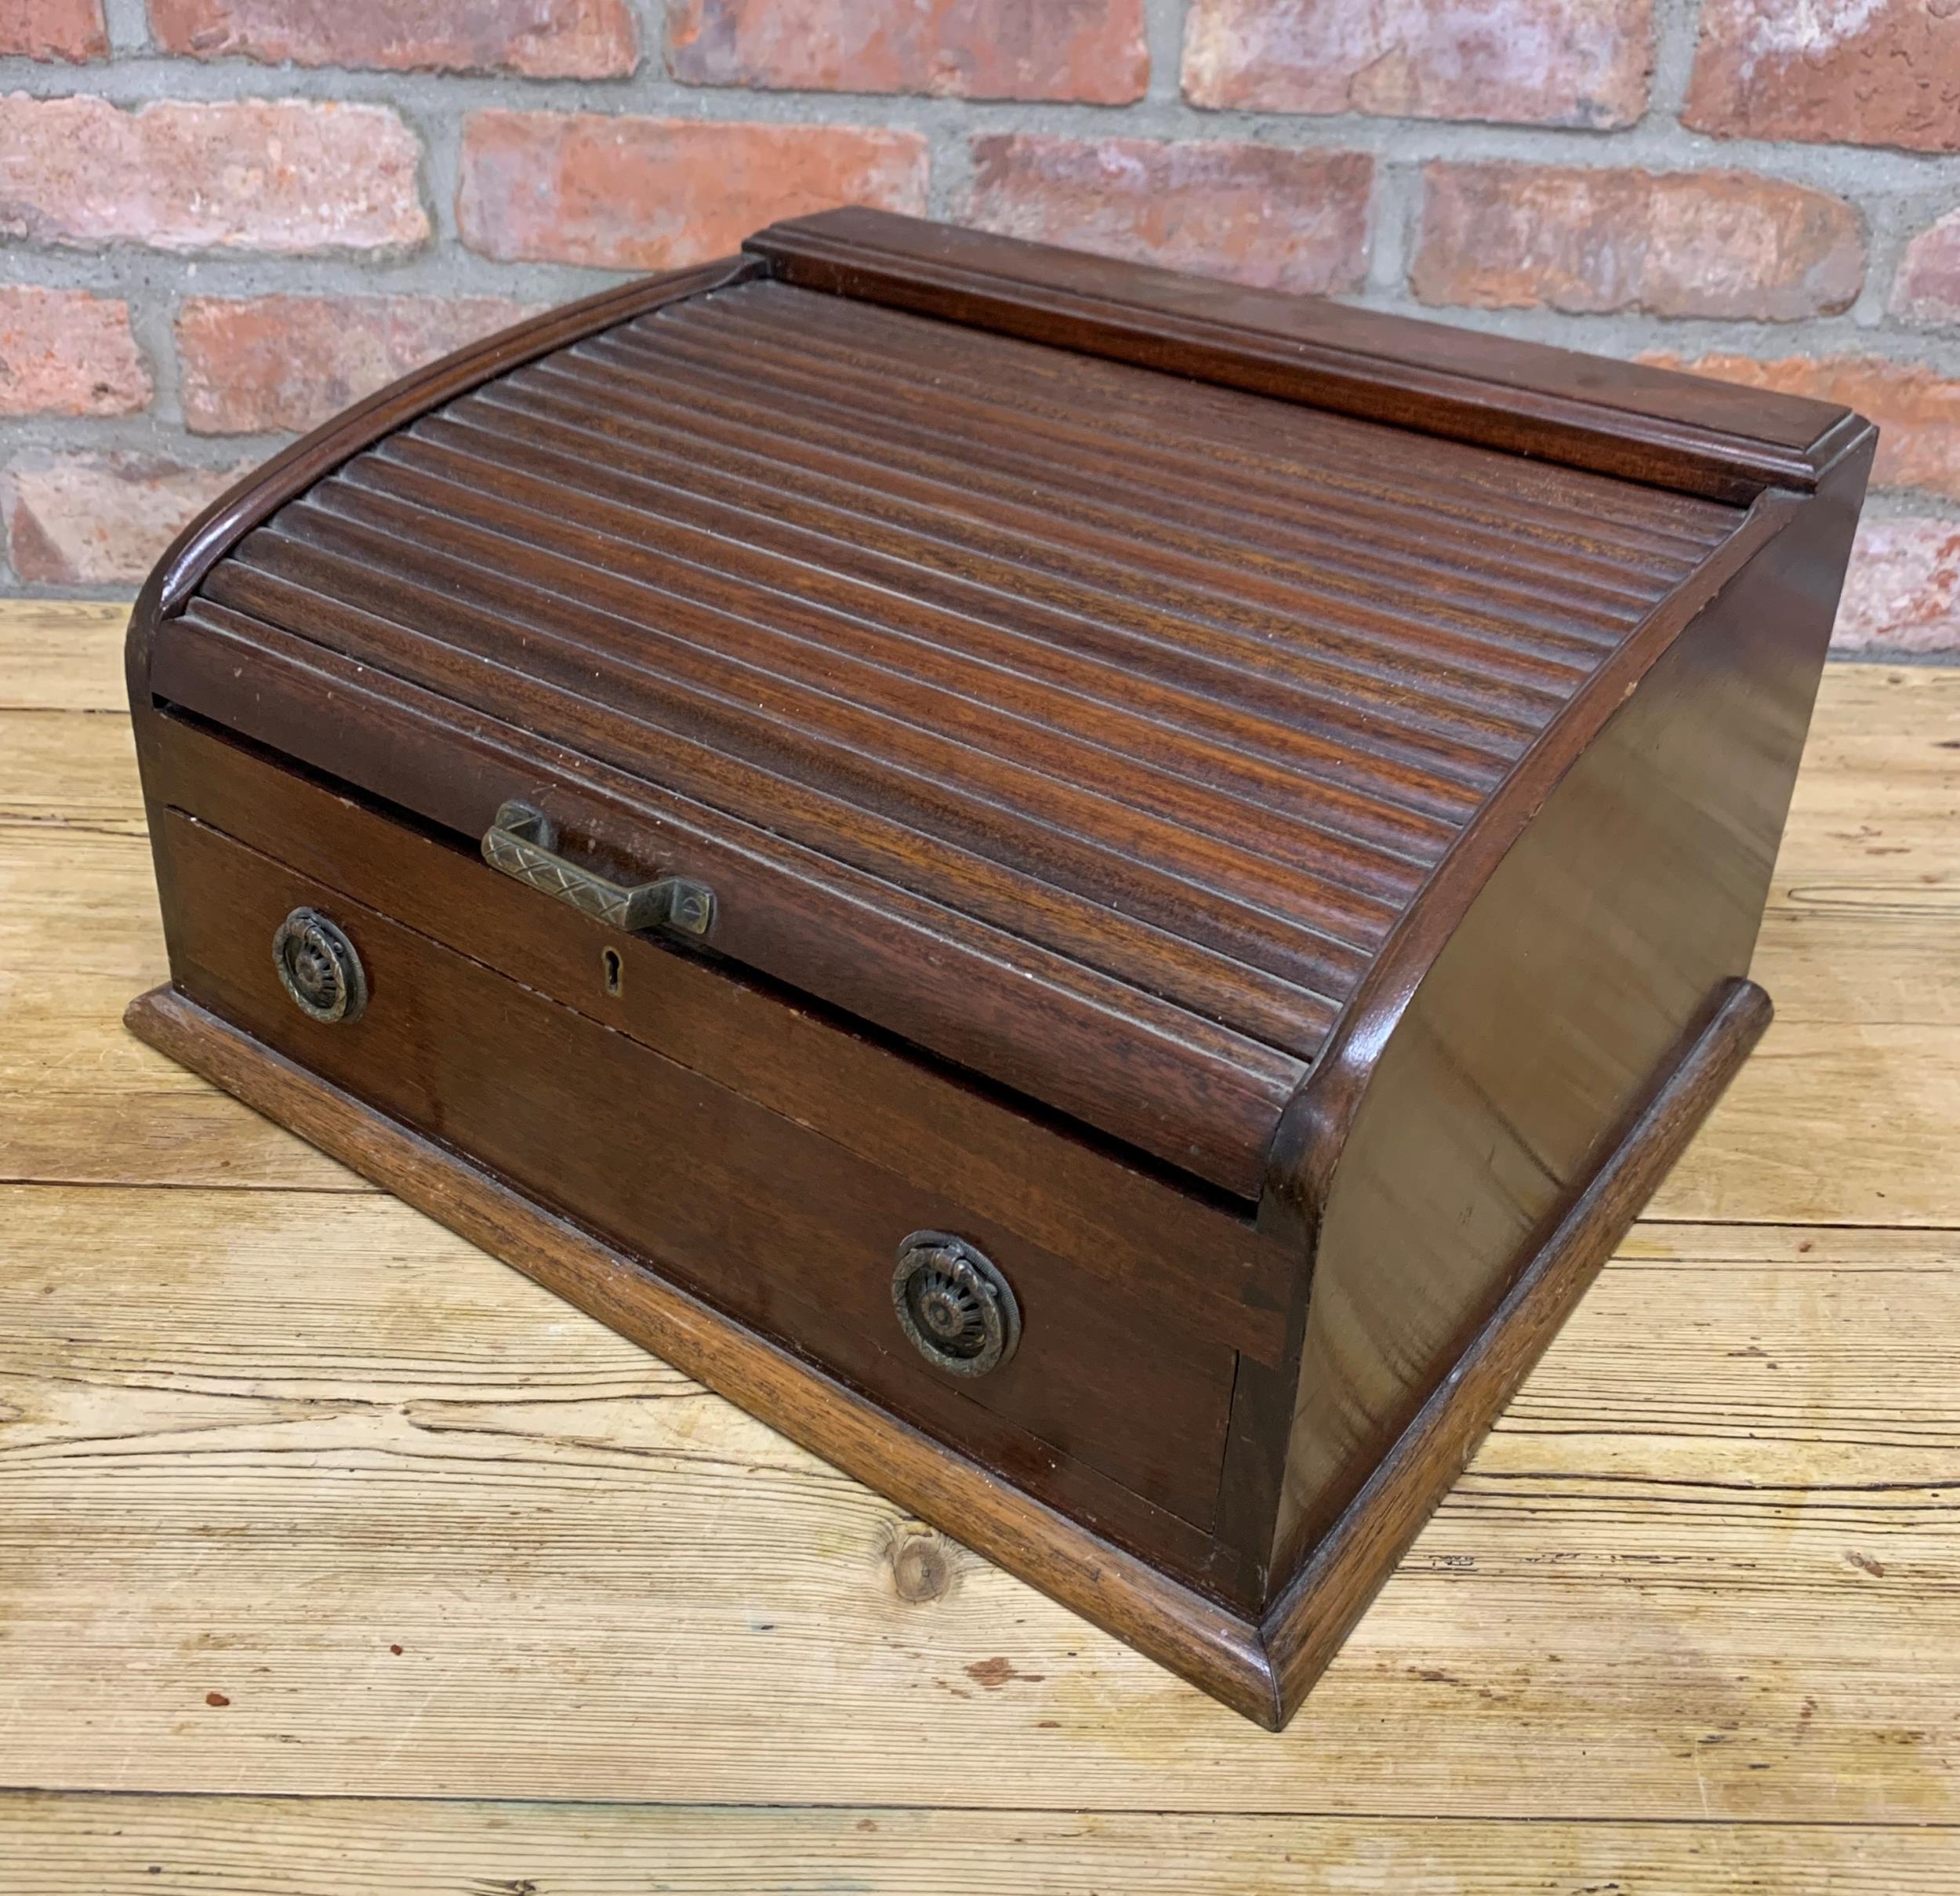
x=1092, y=50
x=540, y=39
x=1720, y=243
x=1532, y=62
x=284, y=175
x=1927, y=288
x=1902, y=591
x=1918, y=411
x=259, y=364
x=52, y=30
x=655, y=193
x=1861, y=72
x=63, y=352
x=1293, y=220
x=100, y=519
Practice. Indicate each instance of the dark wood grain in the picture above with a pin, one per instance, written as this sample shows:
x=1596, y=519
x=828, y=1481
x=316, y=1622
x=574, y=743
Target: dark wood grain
x=1617, y=418
x=1163, y=783
x=1254, y=812
x=1197, y=1259
x=886, y=373
x=777, y=1225
x=1214, y=1647
x=1194, y=1093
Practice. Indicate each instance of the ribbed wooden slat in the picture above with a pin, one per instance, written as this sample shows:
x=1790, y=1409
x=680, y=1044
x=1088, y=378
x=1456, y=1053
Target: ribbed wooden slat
x=1187, y=689
x=1266, y=764
x=698, y=550
x=482, y=464
x=1489, y=629
x=350, y=555
x=843, y=411
x=1335, y=659
x=1182, y=1087
x=1259, y=496
x=734, y=751
x=1134, y=402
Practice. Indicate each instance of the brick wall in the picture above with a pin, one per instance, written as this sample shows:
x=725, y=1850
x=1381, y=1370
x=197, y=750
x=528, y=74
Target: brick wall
x=222, y=220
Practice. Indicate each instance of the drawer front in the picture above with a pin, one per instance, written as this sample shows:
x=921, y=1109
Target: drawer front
x=781, y=1226
x=1201, y=1266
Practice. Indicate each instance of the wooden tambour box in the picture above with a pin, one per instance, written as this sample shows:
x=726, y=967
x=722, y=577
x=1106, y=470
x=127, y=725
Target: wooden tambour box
x=1096, y=893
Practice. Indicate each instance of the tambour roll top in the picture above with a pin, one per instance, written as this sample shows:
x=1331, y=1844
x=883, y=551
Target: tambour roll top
x=1090, y=726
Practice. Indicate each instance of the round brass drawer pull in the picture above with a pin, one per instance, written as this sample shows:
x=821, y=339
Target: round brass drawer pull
x=318, y=967
x=954, y=1306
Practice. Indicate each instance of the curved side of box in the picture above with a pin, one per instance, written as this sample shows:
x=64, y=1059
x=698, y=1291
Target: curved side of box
x=1305, y=1626
x=1315, y=1129
x=214, y=531
x=1543, y=992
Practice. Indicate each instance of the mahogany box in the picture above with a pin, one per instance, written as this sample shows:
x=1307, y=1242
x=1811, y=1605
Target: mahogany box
x=1098, y=894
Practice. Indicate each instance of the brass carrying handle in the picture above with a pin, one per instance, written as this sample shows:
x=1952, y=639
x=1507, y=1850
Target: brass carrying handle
x=523, y=842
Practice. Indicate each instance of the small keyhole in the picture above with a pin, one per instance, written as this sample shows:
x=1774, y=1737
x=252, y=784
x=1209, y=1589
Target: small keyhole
x=610, y=961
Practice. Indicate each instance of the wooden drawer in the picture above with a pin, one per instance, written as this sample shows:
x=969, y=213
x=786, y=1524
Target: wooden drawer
x=775, y=1222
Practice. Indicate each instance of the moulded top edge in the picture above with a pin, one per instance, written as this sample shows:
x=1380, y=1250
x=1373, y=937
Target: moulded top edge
x=1671, y=429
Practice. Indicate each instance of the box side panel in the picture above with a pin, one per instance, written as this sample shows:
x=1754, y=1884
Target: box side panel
x=1601, y=942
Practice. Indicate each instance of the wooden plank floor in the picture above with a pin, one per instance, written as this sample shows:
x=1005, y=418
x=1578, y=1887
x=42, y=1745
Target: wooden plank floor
x=335, y=1556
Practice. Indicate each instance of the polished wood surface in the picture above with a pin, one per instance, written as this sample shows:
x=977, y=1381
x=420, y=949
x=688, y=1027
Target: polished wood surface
x=1603, y=935
x=1651, y=425
x=1261, y=1662
x=1092, y=727
x=1367, y=1521
x=1206, y=1271
x=1350, y=801
x=1642, y=1641
x=771, y=1220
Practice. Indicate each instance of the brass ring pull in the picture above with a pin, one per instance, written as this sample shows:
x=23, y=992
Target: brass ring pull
x=319, y=968
x=953, y=1305
x=523, y=843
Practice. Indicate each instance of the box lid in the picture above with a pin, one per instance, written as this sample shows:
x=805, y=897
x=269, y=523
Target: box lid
x=1072, y=669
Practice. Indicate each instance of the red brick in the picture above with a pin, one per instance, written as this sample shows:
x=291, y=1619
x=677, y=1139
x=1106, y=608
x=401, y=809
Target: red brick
x=1861, y=72
x=1918, y=411
x=101, y=519
x=262, y=364
x=284, y=175
x=1293, y=220
x=1719, y=243
x=52, y=30
x=1902, y=591
x=540, y=39
x=63, y=352
x=1529, y=62
x=1927, y=288
x=656, y=193
x=1092, y=50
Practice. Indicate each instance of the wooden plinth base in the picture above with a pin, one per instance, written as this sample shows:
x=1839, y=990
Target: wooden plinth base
x=1262, y=1670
